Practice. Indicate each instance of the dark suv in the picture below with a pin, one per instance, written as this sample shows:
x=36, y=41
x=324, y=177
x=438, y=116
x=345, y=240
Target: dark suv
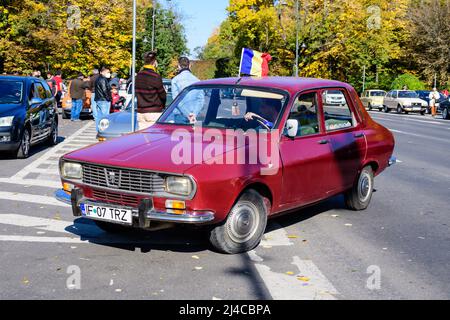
x=28, y=115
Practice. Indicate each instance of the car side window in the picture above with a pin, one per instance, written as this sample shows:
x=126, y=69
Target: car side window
x=40, y=91
x=305, y=111
x=48, y=91
x=337, y=112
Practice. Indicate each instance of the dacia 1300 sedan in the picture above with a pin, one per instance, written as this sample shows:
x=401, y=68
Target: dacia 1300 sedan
x=229, y=162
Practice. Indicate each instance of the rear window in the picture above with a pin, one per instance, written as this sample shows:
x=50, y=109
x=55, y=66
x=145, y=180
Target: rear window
x=377, y=94
x=11, y=92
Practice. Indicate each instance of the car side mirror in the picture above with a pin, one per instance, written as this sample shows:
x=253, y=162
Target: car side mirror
x=36, y=101
x=291, y=128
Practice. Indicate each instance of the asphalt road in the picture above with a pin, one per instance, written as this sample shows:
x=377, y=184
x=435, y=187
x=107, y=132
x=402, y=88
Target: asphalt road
x=398, y=249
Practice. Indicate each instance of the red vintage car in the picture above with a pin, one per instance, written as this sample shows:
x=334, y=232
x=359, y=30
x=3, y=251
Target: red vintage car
x=230, y=153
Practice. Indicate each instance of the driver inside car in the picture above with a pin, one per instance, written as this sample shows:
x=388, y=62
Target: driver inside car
x=268, y=113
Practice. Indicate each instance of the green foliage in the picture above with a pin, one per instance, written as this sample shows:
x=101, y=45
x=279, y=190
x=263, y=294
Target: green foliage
x=79, y=35
x=170, y=39
x=408, y=80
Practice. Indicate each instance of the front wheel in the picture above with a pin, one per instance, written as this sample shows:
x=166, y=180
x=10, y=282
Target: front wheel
x=445, y=114
x=53, y=137
x=244, y=227
x=24, y=148
x=399, y=109
x=359, y=197
x=386, y=109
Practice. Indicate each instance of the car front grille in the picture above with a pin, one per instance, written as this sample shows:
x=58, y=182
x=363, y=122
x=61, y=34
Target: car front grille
x=133, y=181
x=416, y=104
x=116, y=198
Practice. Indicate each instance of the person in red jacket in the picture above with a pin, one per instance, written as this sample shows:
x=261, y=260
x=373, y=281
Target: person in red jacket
x=59, y=81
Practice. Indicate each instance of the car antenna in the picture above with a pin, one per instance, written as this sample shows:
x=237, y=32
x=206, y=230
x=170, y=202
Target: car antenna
x=239, y=80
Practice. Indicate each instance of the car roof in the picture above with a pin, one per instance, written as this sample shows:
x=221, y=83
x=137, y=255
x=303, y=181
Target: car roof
x=283, y=83
x=18, y=78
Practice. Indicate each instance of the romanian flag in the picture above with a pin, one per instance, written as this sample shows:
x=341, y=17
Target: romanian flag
x=254, y=63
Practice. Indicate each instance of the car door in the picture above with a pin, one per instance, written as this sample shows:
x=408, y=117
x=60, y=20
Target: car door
x=347, y=141
x=388, y=100
x=34, y=112
x=50, y=107
x=44, y=123
x=306, y=158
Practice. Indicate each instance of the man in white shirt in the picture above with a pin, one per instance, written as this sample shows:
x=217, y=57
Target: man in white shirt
x=434, y=98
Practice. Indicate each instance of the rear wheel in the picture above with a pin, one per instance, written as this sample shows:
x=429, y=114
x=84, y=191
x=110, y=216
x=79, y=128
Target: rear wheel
x=359, y=197
x=244, y=227
x=386, y=109
x=399, y=109
x=370, y=107
x=24, y=148
x=445, y=114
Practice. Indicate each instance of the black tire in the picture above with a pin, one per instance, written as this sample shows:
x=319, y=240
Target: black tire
x=111, y=227
x=386, y=109
x=244, y=227
x=360, y=196
x=399, y=109
x=370, y=107
x=380, y=109
x=53, y=137
x=23, y=151
x=422, y=113
x=445, y=114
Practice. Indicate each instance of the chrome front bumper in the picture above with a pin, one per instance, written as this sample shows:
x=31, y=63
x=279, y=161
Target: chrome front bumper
x=153, y=215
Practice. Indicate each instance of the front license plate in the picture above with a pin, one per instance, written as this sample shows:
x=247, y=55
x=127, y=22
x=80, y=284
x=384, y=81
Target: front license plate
x=114, y=215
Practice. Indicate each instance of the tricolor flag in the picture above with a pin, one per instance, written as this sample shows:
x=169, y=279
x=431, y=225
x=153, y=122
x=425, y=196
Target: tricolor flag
x=254, y=63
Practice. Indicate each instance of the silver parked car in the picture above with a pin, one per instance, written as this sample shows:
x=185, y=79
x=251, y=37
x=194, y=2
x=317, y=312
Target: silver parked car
x=404, y=101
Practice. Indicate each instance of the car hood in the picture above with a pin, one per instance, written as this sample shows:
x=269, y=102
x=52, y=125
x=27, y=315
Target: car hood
x=8, y=110
x=156, y=149
x=120, y=123
x=412, y=100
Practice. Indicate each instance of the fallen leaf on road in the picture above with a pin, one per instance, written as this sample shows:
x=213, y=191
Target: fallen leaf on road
x=118, y=290
x=304, y=279
x=196, y=257
x=348, y=225
x=290, y=273
x=25, y=280
x=335, y=215
x=267, y=247
x=199, y=268
x=292, y=237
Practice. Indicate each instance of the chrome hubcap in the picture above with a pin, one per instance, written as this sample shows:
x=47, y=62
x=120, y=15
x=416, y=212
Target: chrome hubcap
x=25, y=143
x=243, y=221
x=364, y=187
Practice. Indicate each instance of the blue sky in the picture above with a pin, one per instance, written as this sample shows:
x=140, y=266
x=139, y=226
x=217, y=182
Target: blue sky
x=201, y=17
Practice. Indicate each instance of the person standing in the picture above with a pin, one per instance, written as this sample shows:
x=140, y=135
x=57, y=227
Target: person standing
x=103, y=95
x=150, y=93
x=434, y=98
x=51, y=83
x=59, y=87
x=92, y=80
x=188, y=111
x=77, y=88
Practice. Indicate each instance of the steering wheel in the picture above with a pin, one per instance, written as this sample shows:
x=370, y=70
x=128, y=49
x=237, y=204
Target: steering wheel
x=262, y=121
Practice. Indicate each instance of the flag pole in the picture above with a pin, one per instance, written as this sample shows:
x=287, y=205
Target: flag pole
x=133, y=71
x=240, y=65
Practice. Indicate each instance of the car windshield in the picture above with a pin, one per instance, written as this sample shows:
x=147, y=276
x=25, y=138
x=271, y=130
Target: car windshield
x=228, y=107
x=377, y=94
x=11, y=92
x=407, y=94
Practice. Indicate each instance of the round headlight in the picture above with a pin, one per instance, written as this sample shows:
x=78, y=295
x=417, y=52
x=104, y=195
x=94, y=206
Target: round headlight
x=179, y=185
x=71, y=170
x=103, y=125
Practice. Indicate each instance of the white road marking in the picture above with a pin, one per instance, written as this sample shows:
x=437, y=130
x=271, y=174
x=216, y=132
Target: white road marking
x=83, y=137
x=419, y=135
x=51, y=225
x=276, y=238
x=31, y=198
x=285, y=287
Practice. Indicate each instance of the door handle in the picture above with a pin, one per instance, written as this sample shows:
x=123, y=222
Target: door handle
x=324, y=141
x=360, y=135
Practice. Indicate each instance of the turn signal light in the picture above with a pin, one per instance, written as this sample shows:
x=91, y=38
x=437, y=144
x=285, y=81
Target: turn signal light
x=175, y=207
x=67, y=187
